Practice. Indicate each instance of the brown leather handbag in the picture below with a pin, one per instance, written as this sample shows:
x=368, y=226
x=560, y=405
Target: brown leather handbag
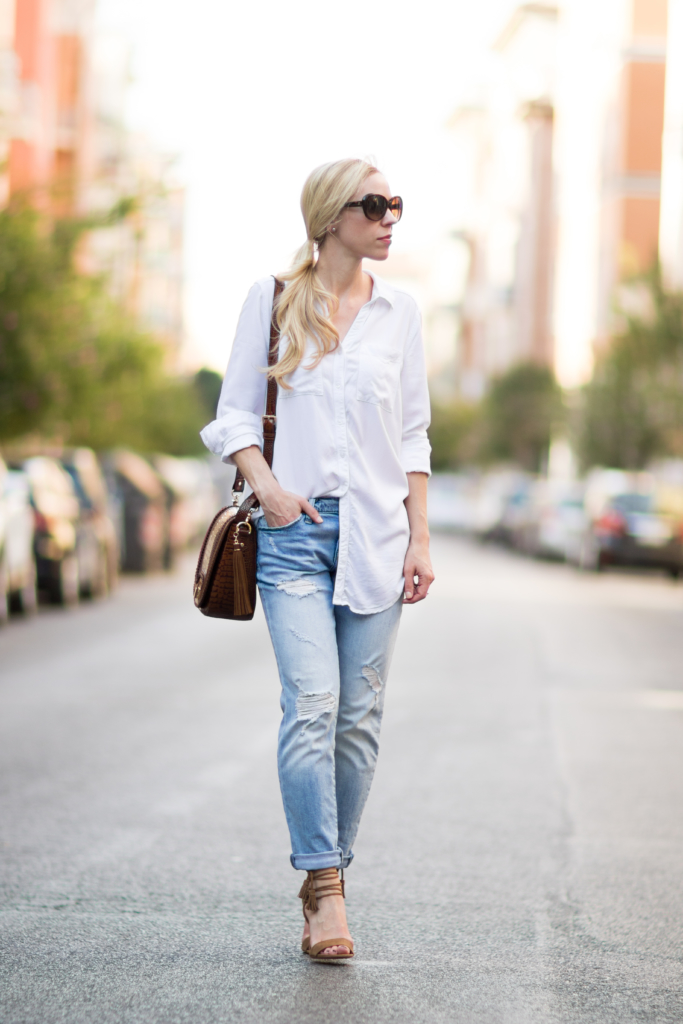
x=225, y=580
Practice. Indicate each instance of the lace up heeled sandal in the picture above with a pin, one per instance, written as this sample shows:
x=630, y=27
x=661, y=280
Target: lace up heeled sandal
x=317, y=885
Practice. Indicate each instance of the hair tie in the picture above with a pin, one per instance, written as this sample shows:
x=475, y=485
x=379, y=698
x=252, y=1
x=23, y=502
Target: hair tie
x=310, y=247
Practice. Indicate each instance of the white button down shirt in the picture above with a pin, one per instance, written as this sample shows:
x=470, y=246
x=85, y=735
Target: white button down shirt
x=351, y=428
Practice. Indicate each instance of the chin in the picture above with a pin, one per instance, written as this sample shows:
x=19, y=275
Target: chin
x=380, y=257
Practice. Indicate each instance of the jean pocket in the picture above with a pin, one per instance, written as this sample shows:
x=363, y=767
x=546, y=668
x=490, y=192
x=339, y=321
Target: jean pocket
x=263, y=525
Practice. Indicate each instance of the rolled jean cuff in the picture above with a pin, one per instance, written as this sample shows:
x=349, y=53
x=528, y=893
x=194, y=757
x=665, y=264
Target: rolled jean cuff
x=316, y=861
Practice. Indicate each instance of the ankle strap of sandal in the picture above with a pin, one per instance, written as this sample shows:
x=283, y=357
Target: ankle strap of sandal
x=321, y=883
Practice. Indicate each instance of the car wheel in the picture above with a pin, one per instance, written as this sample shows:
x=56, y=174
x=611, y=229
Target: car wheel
x=674, y=571
x=100, y=587
x=112, y=563
x=589, y=556
x=28, y=595
x=68, y=589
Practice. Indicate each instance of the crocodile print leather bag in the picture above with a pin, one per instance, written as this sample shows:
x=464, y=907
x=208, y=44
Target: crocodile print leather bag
x=225, y=580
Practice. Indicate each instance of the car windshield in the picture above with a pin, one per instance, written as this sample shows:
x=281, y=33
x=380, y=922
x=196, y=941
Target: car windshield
x=627, y=503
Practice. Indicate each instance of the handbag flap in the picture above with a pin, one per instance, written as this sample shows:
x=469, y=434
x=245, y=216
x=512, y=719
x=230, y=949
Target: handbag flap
x=211, y=552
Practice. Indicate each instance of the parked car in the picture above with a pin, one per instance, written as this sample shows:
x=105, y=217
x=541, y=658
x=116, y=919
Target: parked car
x=555, y=518
x=96, y=540
x=451, y=503
x=17, y=558
x=500, y=507
x=56, y=516
x=143, y=500
x=222, y=478
x=633, y=520
x=176, y=527
x=192, y=501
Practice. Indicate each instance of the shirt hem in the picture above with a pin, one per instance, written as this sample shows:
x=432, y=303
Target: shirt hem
x=366, y=611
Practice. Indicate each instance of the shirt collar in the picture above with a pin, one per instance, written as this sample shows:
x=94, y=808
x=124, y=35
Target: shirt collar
x=381, y=290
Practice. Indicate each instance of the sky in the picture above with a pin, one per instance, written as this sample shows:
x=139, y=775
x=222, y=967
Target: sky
x=252, y=96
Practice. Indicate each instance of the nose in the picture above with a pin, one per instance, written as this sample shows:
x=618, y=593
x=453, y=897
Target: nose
x=389, y=219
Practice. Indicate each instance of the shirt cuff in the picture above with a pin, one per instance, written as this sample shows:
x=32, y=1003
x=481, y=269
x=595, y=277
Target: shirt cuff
x=415, y=456
x=223, y=438
x=236, y=444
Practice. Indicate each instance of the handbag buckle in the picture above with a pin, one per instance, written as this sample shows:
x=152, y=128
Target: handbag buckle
x=239, y=527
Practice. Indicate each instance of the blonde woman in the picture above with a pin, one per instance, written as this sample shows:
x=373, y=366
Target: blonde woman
x=342, y=540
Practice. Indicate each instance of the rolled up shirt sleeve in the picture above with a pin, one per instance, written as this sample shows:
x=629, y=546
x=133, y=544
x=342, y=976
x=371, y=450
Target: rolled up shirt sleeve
x=238, y=422
x=415, y=446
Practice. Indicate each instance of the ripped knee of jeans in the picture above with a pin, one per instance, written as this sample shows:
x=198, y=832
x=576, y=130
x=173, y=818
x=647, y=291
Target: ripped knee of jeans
x=310, y=706
x=301, y=587
x=374, y=680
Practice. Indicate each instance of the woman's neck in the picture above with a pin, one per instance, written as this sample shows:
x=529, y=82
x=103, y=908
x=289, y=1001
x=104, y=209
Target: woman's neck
x=341, y=275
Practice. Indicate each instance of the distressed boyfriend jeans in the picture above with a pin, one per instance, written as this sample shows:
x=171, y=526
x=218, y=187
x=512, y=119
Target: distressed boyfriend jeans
x=333, y=668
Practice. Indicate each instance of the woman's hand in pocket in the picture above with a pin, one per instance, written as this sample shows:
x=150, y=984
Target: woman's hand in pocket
x=281, y=507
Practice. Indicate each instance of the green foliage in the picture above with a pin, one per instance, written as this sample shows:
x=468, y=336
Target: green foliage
x=453, y=435
x=519, y=413
x=208, y=384
x=73, y=366
x=630, y=413
x=632, y=410
x=616, y=427
x=513, y=423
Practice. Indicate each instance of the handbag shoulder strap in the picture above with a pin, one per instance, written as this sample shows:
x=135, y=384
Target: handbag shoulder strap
x=269, y=418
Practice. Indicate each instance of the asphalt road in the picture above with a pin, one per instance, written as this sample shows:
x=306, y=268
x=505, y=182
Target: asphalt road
x=521, y=855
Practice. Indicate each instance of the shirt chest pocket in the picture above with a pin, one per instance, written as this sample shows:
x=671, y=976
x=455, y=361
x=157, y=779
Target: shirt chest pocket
x=303, y=381
x=379, y=374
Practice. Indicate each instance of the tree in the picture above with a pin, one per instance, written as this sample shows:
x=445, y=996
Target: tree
x=519, y=413
x=73, y=365
x=632, y=409
x=453, y=435
x=208, y=384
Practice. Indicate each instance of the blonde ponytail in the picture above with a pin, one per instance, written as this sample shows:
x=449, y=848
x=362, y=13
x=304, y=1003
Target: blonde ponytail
x=304, y=308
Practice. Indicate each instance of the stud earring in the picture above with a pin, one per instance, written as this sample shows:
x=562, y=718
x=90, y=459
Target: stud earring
x=334, y=229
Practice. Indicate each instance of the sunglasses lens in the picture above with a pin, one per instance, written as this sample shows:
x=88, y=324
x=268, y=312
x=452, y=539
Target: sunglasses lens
x=374, y=207
x=396, y=207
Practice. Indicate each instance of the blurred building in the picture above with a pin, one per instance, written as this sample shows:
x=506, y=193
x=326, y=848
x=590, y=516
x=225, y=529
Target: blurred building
x=608, y=165
x=48, y=154
x=671, y=221
x=9, y=92
x=506, y=138
x=63, y=91
x=142, y=253
x=565, y=148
